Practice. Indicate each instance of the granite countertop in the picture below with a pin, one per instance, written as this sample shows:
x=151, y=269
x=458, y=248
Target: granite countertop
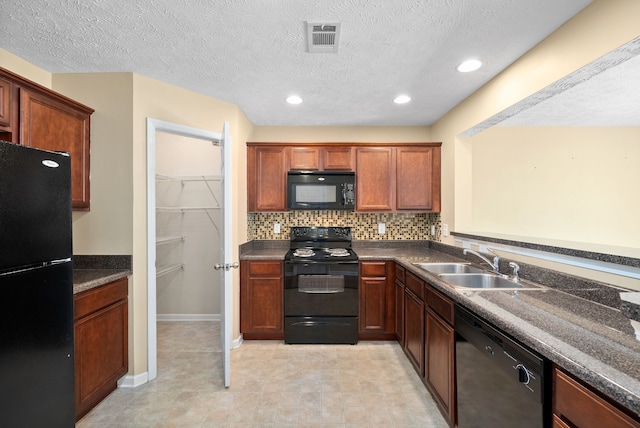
x=573, y=322
x=96, y=270
x=86, y=279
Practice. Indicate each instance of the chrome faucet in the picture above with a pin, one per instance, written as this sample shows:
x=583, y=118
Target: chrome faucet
x=516, y=270
x=496, y=259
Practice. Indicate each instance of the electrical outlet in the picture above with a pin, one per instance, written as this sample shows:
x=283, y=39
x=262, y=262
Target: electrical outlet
x=382, y=228
x=445, y=230
x=433, y=230
x=276, y=228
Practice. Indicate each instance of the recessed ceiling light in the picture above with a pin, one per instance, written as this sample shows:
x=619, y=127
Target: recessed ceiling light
x=402, y=99
x=294, y=99
x=469, y=65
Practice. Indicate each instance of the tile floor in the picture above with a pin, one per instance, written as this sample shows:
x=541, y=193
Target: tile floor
x=272, y=385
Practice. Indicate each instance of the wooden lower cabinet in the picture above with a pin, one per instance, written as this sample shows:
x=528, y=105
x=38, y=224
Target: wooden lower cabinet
x=414, y=330
x=439, y=361
x=399, y=292
x=577, y=406
x=376, y=307
x=261, y=299
x=101, y=343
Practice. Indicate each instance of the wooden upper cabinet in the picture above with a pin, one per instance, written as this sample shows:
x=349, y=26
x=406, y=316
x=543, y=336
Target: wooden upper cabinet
x=50, y=124
x=390, y=177
x=5, y=105
x=338, y=158
x=319, y=158
x=304, y=158
x=266, y=178
x=375, y=178
x=35, y=116
x=418, y=178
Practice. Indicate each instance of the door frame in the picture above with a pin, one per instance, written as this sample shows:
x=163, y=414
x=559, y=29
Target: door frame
x=153, y=126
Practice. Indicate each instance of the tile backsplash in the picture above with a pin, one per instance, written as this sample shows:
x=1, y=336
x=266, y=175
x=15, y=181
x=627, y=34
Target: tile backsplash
x=364, y=225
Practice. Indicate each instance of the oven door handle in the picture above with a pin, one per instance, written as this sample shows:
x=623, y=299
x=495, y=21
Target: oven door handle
x=321, y=291
x=316, y=323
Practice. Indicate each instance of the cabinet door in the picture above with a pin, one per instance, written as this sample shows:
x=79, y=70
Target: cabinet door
x=101, y=355
x=267, y=175
x=375, y=178
x=372, y=310
x=49, y=124
x=414, y=330
x=304, y=158
x=337, y=158
x=578, y=406
x=439, y=361
x=261, y=299
x=5, y=103
x=399, y=292
x=418, y=178
x=376, y=308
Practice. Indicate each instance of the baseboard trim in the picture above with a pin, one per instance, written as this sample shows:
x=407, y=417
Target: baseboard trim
x=237, y=342
x=187, y=317
x=133, y=381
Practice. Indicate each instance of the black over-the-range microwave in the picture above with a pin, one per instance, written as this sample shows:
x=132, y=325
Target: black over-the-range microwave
x=321, y=190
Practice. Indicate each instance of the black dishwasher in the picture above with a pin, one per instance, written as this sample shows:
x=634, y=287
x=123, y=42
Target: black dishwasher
x=499, y=383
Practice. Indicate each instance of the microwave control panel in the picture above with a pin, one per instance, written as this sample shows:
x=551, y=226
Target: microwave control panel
x=349, y=194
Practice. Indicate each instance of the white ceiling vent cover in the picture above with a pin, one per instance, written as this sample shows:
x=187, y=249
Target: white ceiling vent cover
x=323, y=37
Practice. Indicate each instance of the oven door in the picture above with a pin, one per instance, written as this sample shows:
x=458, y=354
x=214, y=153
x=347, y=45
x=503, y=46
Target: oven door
x=321, y=289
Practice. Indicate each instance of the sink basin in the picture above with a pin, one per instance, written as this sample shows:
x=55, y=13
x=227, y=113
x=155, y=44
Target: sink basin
x=485, y=281
x=439, y=268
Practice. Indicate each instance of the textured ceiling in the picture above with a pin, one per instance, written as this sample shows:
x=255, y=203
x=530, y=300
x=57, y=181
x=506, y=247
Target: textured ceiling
x=253, y=52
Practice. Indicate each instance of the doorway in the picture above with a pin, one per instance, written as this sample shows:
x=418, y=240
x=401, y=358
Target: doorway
x=187, y=215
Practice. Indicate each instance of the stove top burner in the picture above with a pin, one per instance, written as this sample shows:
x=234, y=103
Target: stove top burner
x=304, y=252
x=319, y=243
x=338, y=252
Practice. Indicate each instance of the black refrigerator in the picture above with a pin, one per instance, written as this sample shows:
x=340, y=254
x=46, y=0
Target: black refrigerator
x=36, y=289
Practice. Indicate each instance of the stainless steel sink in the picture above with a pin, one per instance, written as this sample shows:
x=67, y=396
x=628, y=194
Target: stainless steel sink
x=486, y=281
x=439, y=268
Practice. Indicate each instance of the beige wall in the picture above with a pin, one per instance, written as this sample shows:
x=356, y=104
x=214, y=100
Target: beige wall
x=24, y=68
x=600, y=28
x=322, y=134
x=107, y=228
x=559, y=183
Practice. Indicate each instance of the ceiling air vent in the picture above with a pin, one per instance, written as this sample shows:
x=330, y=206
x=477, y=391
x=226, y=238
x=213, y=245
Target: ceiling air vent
x=322, y=37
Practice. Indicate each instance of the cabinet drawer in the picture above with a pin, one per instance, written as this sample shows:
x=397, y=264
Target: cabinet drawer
x=578, y=406
x=400, y=273
x=378, y=269
x=258, y=268
x=440, y=304
x=97, y=298
x=416, y=285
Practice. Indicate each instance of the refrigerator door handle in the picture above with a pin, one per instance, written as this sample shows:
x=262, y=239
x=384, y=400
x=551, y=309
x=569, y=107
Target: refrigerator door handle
x=57, y=262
